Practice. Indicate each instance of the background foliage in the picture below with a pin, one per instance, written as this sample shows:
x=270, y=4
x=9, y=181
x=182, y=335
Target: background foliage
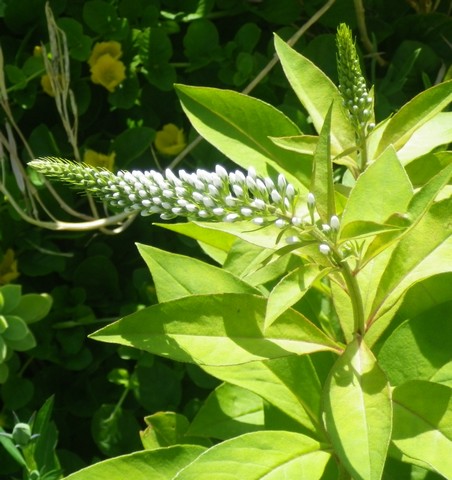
x=101, y=392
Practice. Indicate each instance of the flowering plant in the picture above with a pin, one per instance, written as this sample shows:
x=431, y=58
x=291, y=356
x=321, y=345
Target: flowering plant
x=318, y=310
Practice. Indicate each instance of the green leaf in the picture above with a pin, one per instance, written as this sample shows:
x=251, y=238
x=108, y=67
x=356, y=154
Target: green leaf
x=358, y=412
x=362, y=229
x=422, y=420
x=240, y=126
x=270, y=454
x=222, y=241
x=164, y=429
x=414, y=115
x=304, y=144
x=316, y=92
x=115, y=430
x=382, y=190
x=291, y=384
x=33, y=307
x=415, y=352
x=322, y=185
x=229, y=411
x=177, y=276
x=131, y=143
x=160, y=464
x=424, y=251
x=100, y=16
x=79, y=44
x=422, y=141
x=11, y=295
x=290, y=290
x=223, y=329
x=17, y=329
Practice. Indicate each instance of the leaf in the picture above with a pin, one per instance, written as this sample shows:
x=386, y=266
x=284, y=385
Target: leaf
x=131, y=143
x=305, y=144
x=164, y=429
x=222, y=329
x=362, y=229
x=422, y=141
x=381, y=191
x=424, y=251
x=322, y=185
x=290, y=290
x=229, y=411
x=160, y=464
x=419, y=347
x=219, y=240
x=422, y=420
x=358, y=412
x=177, y=276
x=414, y=115
x=316, y=92
x=33, y=307
x=290, y=384
x=271, y=455
x=239, y=126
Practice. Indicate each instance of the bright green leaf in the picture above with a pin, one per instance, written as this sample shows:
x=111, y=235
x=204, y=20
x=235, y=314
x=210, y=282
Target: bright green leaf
x=424, y=251
x=322, y=185
x=239, y=126
x=414, y=115
x=160, y=464
x=33, y=307
x=163, y=430
x=223, y=329
x=382, y=190
x=291, y=384
x=419, y=347
x=229, y=411
x=271, y=455
x=358, y=412
x=176, y=276
x=422, y=424
x=316, y=92
x=290, y=290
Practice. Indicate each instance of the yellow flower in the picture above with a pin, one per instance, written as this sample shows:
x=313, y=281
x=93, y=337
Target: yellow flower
x=99, y=160
x=170, y=140
x=46, y=85
x=105, y=48
x=8, y=267
x=108, y=72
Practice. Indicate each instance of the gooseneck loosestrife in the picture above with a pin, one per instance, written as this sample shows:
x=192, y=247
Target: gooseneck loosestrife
x=222, y=196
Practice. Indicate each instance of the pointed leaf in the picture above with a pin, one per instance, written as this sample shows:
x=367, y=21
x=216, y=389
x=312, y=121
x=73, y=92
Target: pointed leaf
x=422, y=424
x=223, y=329
x=305, y=144
x=322, y=185
x=316, y=92
x=381, y=191
x=177, y=276
x=160, y=464
x=422, y=141
x=229, y=411
x=358, y=412
x=414, y=114
x=290, y=290
x=424, y=251
x=290, y=384
x=414, y=352
x=271, y=455
x=240, y=126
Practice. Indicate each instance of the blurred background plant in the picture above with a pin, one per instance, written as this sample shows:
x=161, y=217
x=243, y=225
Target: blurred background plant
x=93, y=81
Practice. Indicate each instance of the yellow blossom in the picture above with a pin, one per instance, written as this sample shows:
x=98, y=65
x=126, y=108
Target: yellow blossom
x=108, y=72
x=46, y=85
x=8, y=267
x=99, y=160
x=170, y=140
x=105, y=48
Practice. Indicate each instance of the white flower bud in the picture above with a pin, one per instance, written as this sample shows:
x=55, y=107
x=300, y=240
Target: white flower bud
x=276, y=197
x=221, y=172
x=311, y=200
x=258, y=220
x=231, y=217
x=252, y=173
x=335, y=223
x=292, y=240
x=218, y=211
x=282, y=182
x=280, y=223
x=296, y=221
x=324, y=248
x=326, y=228
x=203, y=214
x=238, y=190
x=246, y=212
